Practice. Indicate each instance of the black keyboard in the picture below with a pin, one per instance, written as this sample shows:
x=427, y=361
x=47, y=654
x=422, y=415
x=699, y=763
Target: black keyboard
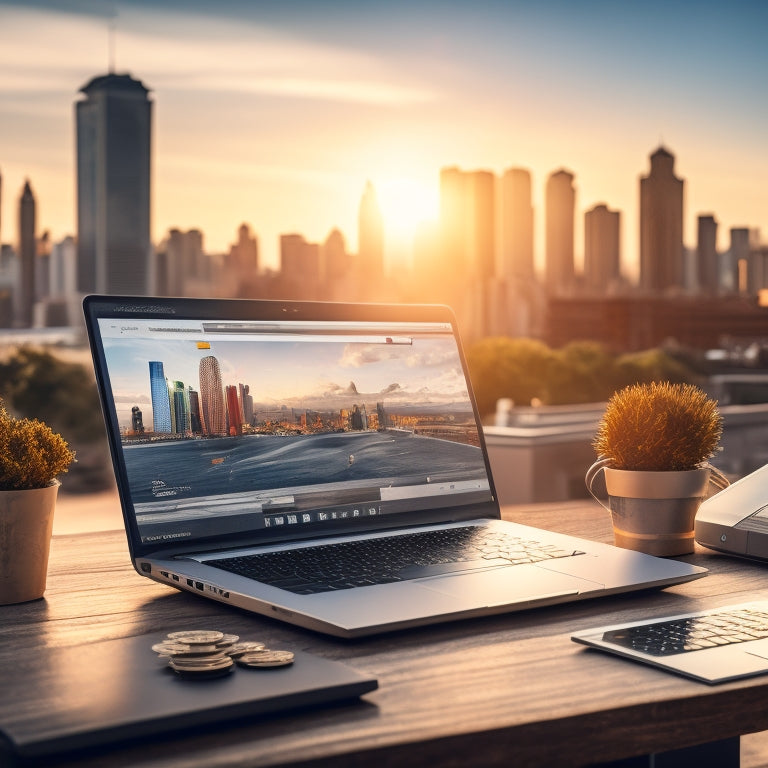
x=364, y=562
x=694, y=633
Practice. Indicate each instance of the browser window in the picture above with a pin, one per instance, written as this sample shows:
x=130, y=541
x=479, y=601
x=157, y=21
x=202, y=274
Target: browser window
x=289, y=424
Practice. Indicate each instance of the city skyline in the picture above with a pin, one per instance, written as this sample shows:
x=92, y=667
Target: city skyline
x=292, y=135
x=297, y=375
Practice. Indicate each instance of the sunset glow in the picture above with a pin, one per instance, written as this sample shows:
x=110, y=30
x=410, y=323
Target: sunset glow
x=278, y=114
x=405, y=204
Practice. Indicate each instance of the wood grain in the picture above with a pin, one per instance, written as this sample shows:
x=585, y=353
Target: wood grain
x=504, y=690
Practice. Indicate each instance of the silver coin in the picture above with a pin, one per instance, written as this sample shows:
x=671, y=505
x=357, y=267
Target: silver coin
x=166, y=646
x=201, y=664
x=227, y=641
x=200, y=674
x=194, y=650
x=197, y=636
x=266, y=658
x=245, y=646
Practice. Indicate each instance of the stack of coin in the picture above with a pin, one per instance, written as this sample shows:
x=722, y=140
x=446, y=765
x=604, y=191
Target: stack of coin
x=250, y=653
x=265, y=658
x=209, y=653
x=197, y=653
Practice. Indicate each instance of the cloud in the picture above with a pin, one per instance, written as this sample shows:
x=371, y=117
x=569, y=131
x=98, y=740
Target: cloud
x=134, y=399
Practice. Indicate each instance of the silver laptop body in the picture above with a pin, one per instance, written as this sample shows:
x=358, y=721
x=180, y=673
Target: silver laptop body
x=711, y=646
x=240, y=428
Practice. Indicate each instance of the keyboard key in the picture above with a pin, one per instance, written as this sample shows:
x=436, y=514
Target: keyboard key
x=380, y=560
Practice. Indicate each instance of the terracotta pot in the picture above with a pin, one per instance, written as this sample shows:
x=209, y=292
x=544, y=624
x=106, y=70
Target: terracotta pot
x=654, y=512
x=26, y=524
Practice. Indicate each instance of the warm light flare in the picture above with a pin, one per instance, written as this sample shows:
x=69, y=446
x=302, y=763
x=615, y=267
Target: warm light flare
x=405, y=204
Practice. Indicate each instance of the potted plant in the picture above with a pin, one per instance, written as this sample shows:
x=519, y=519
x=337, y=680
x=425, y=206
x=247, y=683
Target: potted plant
x=653, y=443
x=31, y=458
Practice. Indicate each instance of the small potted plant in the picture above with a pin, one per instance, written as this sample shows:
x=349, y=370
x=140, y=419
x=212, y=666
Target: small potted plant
x=31, y=458
x=653, y=443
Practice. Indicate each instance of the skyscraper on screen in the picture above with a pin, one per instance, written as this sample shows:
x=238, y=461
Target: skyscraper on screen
x=114, y=124
x=214, y=416
x=161, y=403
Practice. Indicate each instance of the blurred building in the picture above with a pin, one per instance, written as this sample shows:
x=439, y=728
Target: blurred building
x=634, y=323
x=661, y=226
x=602, y=249
x=516, y=226
x=299, y=267
x=707, y=258
x=560, y=202
x=114, y=125
x=370, y=232
x=27, y=256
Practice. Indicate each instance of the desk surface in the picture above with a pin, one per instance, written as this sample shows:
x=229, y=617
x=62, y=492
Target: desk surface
x=502, y=690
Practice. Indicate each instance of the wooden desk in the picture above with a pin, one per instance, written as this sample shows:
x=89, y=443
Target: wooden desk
x=509, y=690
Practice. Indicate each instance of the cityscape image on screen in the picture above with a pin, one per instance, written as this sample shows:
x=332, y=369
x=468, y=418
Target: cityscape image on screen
x=295, y=428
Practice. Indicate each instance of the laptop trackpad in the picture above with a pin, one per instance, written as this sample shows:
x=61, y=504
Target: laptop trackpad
x=505, y=586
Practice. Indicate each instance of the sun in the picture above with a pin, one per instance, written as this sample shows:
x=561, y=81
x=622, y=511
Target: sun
x=405, y=204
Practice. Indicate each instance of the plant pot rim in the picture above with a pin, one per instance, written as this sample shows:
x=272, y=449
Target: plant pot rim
x=55, y=483
x=657, y=484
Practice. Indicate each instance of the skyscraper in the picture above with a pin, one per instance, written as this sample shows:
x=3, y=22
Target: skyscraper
x=181, y=412
x=707, y=260
x=560, y=206
x=27, y=255
x=212, y=397
x=161, y=403
x=195, y=421
x=234, y=411
x=738, y=256
x=661, y=226
x=114, y=124
x=246, y=403
x=516, y=225
x=602, y=255
x=466, y=265
x=370, y=232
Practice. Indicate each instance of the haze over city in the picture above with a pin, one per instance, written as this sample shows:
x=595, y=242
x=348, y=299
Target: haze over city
x=276, y=114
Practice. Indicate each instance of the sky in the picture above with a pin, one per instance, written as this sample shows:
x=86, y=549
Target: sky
x=275, y=114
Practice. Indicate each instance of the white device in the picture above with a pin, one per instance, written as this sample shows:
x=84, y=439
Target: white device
x=735, y=520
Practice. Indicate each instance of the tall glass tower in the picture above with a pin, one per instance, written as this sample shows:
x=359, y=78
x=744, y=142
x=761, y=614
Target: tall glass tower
x=114, y=124
x=161, y=404
x=212, y=397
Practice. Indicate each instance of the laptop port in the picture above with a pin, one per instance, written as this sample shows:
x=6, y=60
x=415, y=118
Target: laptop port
x=199, y=585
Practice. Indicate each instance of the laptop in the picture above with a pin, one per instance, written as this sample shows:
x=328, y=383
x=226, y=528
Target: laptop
x=712, y=646
x=323, y=464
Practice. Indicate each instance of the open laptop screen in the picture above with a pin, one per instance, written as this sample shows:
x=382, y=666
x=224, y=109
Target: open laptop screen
x=229, y=426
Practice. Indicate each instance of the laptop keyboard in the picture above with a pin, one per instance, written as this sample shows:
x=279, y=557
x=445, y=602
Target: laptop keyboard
x=364, y=562
x=694, y=633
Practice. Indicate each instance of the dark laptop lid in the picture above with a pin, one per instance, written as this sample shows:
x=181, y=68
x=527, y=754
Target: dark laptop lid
x=234, y=421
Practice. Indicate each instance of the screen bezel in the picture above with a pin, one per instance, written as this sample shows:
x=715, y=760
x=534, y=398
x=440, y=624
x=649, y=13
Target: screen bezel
x=124, y=307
